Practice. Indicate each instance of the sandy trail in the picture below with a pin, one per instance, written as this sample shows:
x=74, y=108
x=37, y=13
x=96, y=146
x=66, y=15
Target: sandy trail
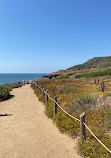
x=28, y=133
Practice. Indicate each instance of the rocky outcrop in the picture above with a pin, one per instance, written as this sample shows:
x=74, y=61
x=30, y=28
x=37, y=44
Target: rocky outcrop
x=51, y=76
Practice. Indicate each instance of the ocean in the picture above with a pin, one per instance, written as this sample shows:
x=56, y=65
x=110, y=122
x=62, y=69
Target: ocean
x=6, y=78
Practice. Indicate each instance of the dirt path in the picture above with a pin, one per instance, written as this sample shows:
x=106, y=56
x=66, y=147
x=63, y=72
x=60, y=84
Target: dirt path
x=28, y=133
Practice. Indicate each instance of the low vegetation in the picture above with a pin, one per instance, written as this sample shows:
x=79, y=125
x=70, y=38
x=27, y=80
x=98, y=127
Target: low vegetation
x=13, y=85
x=82, y=88
x=94, y=74
x=5, y=90
x=77, y=96
x=65, y=77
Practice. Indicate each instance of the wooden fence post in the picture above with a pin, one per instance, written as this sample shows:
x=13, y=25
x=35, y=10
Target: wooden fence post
x=103, y=86
x=95, y=81
x=55, y=105
x=82, y=126
x=46, y=97
x=43, y=92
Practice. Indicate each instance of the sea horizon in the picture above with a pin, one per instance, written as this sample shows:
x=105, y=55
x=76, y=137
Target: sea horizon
x=7, y=78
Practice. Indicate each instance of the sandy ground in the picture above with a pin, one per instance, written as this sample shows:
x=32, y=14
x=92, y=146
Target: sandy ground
x=28, y=133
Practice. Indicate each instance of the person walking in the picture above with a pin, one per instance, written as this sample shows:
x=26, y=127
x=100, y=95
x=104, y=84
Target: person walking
x=23, y=82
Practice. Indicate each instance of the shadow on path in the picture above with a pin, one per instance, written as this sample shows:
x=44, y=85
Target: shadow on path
x=9, y=97
x=5, y=115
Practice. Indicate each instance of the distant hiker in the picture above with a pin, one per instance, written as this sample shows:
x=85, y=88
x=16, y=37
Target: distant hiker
x=23, y=82
x=18, y=82
x=27, y=82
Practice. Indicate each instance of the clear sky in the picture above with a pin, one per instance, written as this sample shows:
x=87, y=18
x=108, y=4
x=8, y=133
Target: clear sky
x=48, y=35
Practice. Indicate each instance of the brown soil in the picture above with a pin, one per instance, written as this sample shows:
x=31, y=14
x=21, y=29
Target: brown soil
x=28, y=133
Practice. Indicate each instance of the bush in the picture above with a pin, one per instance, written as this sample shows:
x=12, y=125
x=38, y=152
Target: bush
x=4, y=93
x=83, y=102
x=5, y=90
x=66, y=89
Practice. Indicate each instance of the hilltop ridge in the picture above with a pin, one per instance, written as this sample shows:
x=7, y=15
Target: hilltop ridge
x=97, y=66
x=96, y=62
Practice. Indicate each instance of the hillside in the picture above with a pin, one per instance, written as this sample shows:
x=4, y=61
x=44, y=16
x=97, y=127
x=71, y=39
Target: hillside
x=96, y=62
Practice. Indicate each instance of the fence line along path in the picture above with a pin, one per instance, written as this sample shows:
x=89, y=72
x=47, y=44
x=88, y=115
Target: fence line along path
x=28, y=133
x=81, y=120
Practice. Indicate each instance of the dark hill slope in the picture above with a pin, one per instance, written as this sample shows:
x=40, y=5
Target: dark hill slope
x=96, y=62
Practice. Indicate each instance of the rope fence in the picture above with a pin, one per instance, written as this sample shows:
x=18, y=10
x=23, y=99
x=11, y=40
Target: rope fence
x=81, y=120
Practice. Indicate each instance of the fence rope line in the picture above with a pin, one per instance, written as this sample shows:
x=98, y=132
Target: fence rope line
x=96, y=138
x=84, y=125
x=77, y=120
x=50, y=98
x=63, y=109
x=67, y=112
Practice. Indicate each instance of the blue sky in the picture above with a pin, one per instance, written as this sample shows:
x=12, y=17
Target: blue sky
x=48, y=35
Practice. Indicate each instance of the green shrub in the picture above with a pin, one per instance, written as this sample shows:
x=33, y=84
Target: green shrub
x=65, y=77
x=4, y=93
x=95, y=74
x=66, y=89
x=49, y=109
x=5, y=90
x=66, y=124
x=83, y=102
